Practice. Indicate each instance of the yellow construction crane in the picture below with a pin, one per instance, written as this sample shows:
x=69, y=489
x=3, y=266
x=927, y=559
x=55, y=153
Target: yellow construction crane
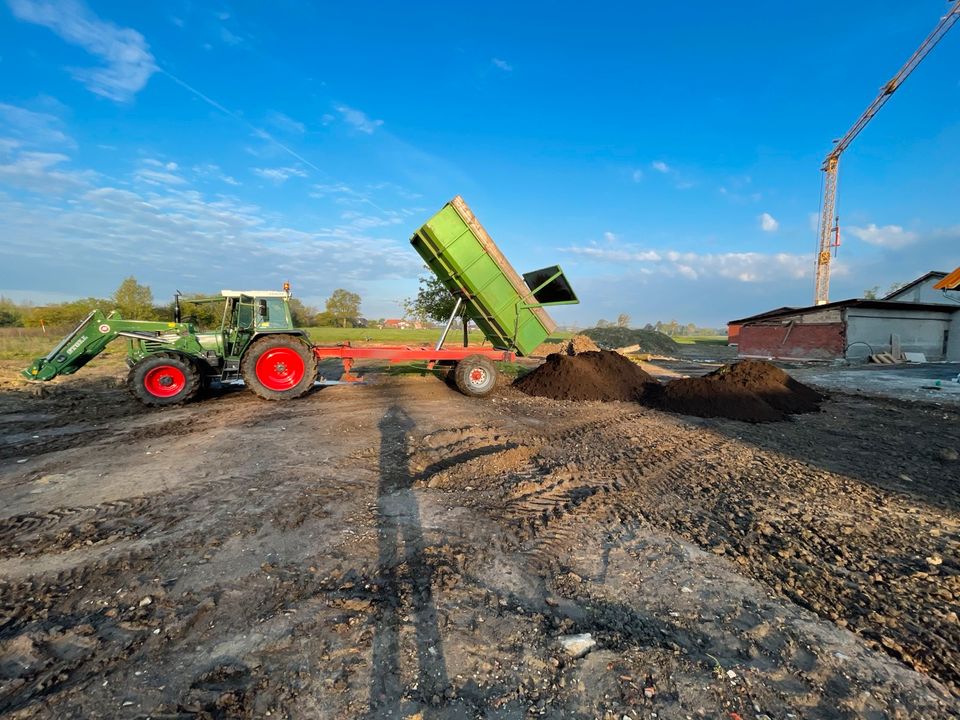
x=829, y=227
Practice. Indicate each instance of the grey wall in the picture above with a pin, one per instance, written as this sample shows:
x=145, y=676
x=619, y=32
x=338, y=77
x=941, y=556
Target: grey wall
x=953, y=349
x=922, y=293
x=918, y=331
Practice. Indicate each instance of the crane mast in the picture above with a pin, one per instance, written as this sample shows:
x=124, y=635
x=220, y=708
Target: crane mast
x=829, y=225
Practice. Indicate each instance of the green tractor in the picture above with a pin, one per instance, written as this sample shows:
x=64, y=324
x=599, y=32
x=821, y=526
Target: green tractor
x=171, y=361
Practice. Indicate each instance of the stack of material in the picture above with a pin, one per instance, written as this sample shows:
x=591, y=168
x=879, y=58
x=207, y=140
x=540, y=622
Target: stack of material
x=751, y=390
x=574, y=346
x=597, y=375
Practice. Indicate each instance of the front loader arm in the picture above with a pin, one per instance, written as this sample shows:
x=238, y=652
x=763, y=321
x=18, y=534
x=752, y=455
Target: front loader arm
x=89, y=339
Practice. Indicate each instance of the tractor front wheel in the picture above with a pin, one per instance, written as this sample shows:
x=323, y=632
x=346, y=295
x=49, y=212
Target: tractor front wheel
x=164, y=379
x=279, y=367
x=475, y=376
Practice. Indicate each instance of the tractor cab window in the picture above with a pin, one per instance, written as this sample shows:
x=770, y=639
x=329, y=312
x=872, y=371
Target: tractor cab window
x=271, y=313
x=243, y=313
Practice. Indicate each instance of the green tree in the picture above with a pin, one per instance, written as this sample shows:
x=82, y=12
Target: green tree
x=11, y=315
x=433, y=301
x=133, y=300
x=206, y=315
x=343, y=306
x=63, y=314
x=302, y=315
x=871, y=293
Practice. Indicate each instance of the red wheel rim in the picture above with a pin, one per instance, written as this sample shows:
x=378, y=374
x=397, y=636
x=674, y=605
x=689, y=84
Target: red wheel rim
x=478, y=376
x=280, y=369
x=164, y=381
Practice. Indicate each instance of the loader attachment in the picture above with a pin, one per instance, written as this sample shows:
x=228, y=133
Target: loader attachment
x=75, y=350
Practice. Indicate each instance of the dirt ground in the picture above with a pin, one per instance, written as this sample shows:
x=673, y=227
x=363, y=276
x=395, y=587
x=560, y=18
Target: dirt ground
x=398, y=550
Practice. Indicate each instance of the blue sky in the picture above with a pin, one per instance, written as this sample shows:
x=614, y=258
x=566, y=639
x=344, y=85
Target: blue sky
x=666, y=154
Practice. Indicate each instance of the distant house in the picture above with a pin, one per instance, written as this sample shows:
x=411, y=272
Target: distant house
x=396, y=324
x=918, y=317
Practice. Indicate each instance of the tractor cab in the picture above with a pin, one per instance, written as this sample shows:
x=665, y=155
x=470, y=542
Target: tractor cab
x=245, y=315
x=249, y=313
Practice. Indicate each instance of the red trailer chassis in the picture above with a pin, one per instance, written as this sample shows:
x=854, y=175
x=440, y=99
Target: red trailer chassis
x=348, y=354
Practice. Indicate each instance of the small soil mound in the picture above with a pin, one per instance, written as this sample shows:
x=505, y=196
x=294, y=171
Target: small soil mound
x=596, y=375
x=751, y=390
x=574, y=346
x=648, y=341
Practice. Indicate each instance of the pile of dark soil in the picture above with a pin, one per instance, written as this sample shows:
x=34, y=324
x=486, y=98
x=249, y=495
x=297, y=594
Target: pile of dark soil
x=598, y=375
x=751, y=390
x=650, y=341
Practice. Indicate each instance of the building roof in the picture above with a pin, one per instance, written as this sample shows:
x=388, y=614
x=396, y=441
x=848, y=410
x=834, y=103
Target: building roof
x=854, y=302
x=760, y=315
x=950, y=282
x=914, y=283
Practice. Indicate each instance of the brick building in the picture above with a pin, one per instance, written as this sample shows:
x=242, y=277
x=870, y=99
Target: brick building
x=918, y=317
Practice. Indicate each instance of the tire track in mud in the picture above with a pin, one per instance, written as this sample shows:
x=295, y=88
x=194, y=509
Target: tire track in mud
x=40, y=609
x=777, y=518
x=66, y=528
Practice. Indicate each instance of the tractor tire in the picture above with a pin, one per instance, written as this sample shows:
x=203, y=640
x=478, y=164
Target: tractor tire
x=279, y=367
x=475, y=376
x=164, y=379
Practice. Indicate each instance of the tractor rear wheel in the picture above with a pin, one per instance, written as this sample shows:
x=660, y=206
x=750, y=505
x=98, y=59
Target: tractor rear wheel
x=475, y=376
x=164, y=379
x=279, y=367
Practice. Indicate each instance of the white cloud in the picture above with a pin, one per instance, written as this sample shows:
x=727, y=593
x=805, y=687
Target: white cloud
x=660, y=166
x=103, y=231
x=888, y=236
x=35, y=128
x=747, y=267
x=502, y=64
x=610, y=237
x=285, y=123
x=39, y=172
x=211, y=170
x=768, y=223
x=128, y=63
x=280, y=174
x=156, y=177
x=637, y=175
x=230, y=38
x=358, y=119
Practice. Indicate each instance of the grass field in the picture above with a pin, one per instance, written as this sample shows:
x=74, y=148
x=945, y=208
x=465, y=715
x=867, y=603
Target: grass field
x=701, y=340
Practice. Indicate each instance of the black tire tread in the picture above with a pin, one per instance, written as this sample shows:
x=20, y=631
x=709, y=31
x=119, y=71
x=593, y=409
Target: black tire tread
x=461, y=375
x=190, y=370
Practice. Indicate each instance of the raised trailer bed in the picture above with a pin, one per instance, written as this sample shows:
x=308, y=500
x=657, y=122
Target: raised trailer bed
x=508, y=309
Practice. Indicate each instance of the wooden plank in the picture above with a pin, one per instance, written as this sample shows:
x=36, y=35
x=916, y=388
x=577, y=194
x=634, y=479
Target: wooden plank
x=490, y=247
x=895, y=349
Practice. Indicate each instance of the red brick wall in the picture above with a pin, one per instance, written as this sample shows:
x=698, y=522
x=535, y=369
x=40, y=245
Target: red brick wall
x=733, y=334
x=822, y=341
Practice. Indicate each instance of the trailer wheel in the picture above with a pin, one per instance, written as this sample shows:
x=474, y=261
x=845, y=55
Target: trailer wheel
x=475, y=376
x=279, y=367
x=164, y=379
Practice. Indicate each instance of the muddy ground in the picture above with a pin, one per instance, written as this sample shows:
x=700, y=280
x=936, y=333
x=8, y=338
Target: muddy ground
x=399, y=550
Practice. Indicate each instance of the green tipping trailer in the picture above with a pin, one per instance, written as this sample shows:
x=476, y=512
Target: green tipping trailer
x=508, y=309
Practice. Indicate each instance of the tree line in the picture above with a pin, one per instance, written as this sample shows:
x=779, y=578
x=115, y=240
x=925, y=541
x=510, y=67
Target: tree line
x=671, y=328
x=135, y=301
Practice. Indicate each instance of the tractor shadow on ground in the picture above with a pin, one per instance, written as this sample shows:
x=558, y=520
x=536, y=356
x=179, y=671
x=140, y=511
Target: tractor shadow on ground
x=407, y=577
